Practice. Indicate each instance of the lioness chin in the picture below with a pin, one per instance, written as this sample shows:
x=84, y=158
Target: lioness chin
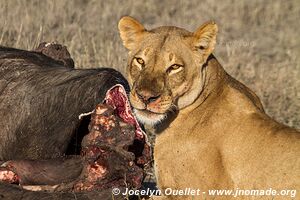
x=221, y=137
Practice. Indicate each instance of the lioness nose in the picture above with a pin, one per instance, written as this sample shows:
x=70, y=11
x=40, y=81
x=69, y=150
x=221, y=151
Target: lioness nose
x=146, y=96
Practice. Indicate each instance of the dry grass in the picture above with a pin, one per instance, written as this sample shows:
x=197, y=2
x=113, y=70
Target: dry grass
x=259, y=41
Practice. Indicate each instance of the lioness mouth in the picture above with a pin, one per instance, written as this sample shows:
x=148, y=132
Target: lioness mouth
x=146, y=111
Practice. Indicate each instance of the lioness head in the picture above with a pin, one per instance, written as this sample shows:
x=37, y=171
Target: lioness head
x=165, y=66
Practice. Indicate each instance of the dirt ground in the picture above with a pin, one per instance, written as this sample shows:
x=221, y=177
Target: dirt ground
x=258, y=41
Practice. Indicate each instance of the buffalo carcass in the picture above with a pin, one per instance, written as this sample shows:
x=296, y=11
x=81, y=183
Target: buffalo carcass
x=41, y=99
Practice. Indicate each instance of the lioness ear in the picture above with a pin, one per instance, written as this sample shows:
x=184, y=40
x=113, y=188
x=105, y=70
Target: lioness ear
x=205, y=38
x=131, y=31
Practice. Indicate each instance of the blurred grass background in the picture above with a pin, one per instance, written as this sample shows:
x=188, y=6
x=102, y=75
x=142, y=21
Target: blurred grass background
x=258, y=41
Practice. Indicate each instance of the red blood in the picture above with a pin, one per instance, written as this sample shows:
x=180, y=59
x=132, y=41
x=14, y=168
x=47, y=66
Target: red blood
x=117, y=98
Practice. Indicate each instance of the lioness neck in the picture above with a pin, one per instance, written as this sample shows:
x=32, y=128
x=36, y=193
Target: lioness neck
x=213, y=86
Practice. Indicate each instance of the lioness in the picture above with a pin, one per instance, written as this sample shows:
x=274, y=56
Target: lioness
x=221, y=137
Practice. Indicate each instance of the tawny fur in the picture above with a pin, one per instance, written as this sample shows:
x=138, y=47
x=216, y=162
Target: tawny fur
x=221, y=137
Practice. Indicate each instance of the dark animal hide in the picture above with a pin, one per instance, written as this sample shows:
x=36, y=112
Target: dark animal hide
x=40, y=101
x=41, y=98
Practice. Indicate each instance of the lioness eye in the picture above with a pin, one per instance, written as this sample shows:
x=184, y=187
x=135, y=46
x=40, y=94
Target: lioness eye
x=140, y=61
x=137, y=63
x=174, y=68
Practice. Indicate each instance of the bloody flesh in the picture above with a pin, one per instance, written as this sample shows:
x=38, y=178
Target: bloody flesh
x=117, y=98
